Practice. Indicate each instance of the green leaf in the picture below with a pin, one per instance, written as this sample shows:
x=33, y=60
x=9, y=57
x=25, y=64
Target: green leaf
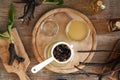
x=10, y=19
x=53, y=2
x=4, y=36
x=60, y=2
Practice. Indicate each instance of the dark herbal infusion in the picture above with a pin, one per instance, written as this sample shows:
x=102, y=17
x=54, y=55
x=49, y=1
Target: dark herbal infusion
x=62, y=52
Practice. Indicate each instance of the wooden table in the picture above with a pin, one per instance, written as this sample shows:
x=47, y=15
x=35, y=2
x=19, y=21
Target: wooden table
x=105, y=39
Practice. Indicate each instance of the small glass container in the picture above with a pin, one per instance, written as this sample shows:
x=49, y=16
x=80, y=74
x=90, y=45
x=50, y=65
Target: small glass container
x=49, y=27
x=114, y=25
x=97, y=6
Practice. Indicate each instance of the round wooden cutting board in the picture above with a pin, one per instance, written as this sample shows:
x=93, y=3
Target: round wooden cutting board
x=63, y=16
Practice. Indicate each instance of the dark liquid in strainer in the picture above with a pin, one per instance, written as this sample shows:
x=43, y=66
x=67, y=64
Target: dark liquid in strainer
x=62, y=52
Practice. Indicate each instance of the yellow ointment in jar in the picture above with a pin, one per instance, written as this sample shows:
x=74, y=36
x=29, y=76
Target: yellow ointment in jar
x=77, y=30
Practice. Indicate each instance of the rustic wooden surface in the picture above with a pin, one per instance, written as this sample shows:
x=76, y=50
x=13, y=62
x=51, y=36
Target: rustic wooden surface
x=68, y=15
x=105, y=40
x=19, y=69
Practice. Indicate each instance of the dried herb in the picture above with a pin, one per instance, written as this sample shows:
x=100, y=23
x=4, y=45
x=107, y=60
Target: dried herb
x=99, y=75
x=116, y=49
x=86, y=51
x=112, y=64
x=11, y=49
x=30, y=6
x=13, y=55
x=62, y=52
x=29, y=10
x=82, y=70
x=94, y=64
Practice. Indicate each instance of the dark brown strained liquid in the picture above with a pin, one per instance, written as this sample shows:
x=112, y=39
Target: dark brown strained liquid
x=62, y=52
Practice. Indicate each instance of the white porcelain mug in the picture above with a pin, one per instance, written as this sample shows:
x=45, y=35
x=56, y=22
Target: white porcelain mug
x=41, y=65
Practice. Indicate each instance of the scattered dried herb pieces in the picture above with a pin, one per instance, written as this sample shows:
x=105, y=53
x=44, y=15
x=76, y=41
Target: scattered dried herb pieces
x=62, y=52
x=13, y=55
x=86, y=51
x=95, y=64
x=99, y=75
x=113, y=64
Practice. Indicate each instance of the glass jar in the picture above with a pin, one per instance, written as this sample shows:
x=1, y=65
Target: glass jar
x=114, y=25
x=96, y=6
x=49, y=27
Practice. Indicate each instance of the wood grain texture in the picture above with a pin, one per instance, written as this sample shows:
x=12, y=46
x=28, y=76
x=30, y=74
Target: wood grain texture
x=105, y=40
x=38, y=37
x=17, y=68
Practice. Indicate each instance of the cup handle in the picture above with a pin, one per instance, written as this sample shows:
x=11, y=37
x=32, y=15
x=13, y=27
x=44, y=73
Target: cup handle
x=41, y=65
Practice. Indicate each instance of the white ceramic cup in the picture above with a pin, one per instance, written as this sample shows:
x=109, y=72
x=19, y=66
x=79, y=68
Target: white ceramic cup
x=41, y=65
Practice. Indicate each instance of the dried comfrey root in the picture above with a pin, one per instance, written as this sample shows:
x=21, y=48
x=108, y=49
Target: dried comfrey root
x=29, y=10
x=13, y=55
x=11, y=49
x=30, y=6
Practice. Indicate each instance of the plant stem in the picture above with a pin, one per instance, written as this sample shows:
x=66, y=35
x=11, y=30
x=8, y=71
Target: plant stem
x=11, y=39
x=4, y=36
x=52, y=3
